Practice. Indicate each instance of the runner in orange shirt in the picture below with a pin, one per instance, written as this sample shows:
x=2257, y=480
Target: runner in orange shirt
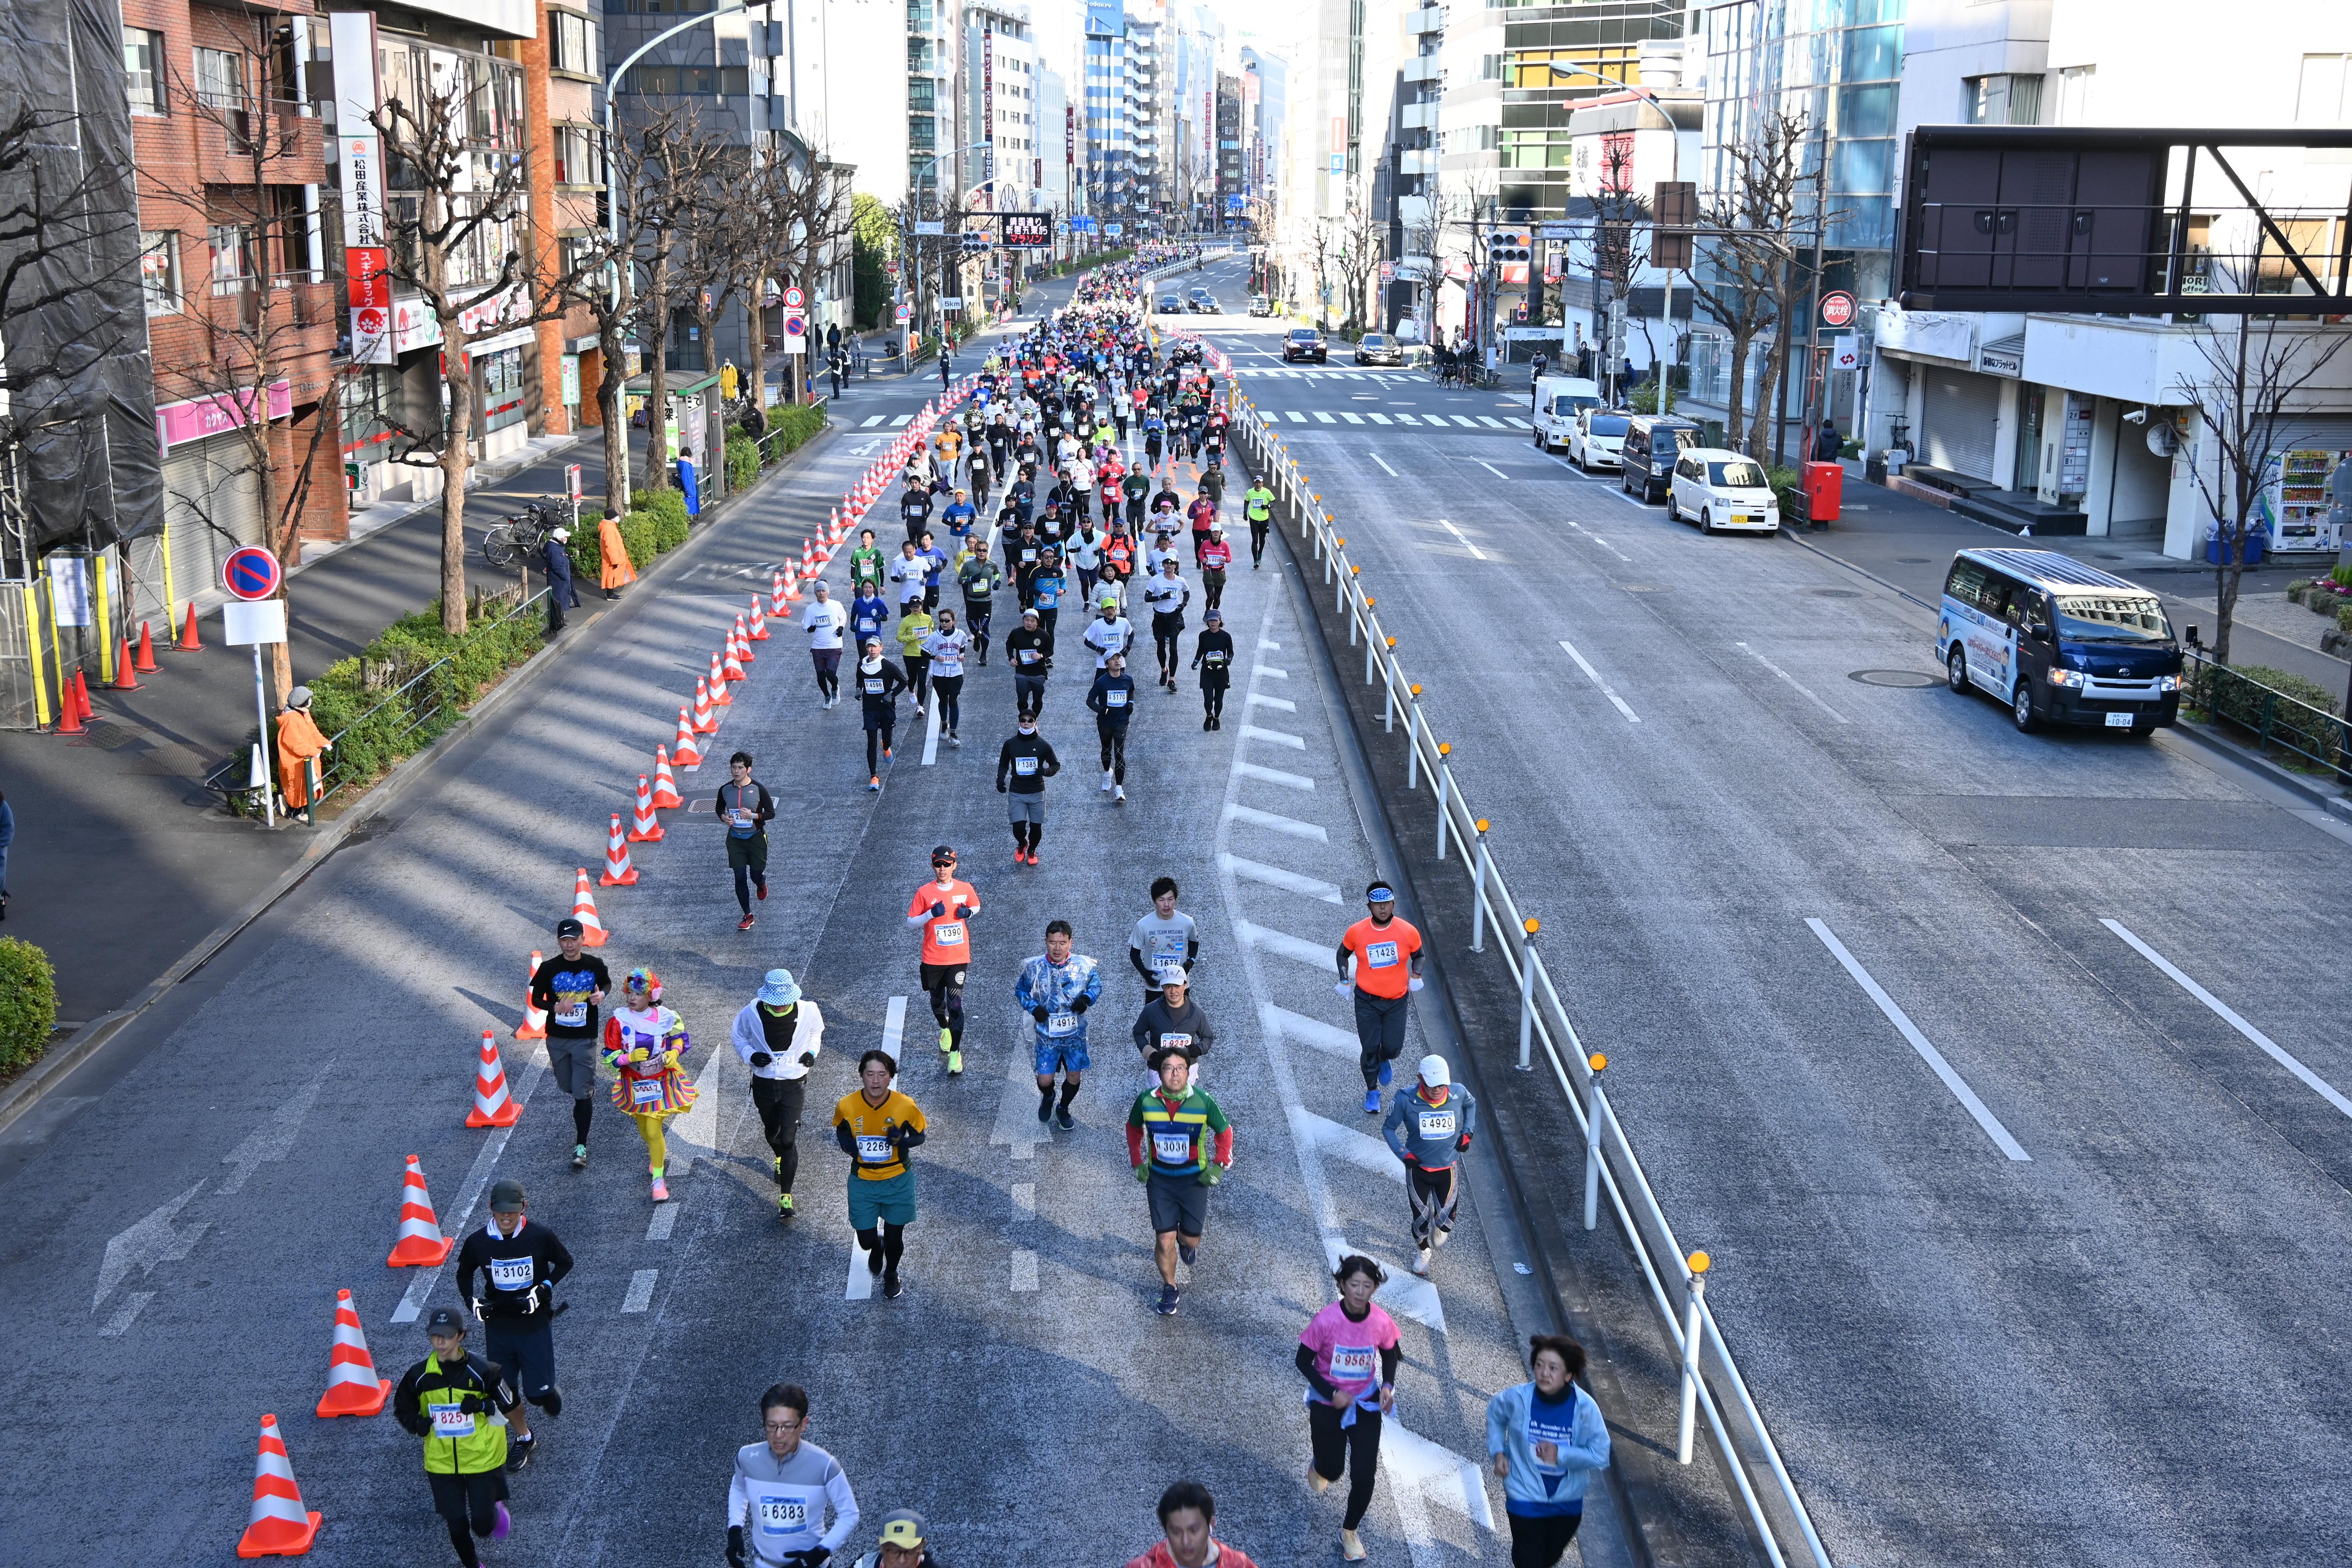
x=1387, y=955
x=943, y=906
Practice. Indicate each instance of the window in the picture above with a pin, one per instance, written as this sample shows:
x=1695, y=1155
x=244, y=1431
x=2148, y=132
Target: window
x=574, y=45
x=672, y=81
x=2320, y=100
x=220, y=79
x=233, y=265
x=292, y=218
x=142, y=70
x=2074, y=94
x=159, y=270
x=579, y=155
x=2001, y=100
x=1490, y=67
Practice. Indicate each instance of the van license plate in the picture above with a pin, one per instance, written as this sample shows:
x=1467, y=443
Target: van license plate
x=2119, y=720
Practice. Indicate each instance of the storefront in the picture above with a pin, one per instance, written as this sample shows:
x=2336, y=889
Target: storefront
x=502, y=411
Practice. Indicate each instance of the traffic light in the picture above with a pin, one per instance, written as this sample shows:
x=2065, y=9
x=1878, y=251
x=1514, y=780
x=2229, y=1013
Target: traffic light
x=1673, y=208
x=1509, y=247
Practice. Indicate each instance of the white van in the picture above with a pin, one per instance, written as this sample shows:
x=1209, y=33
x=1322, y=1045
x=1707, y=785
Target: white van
x=1559, y=399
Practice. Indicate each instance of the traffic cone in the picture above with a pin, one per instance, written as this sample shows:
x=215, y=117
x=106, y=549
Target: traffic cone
x=352, y=1386
x=689, y=755
x=189, y=641
x=81, y=695
x=717, y=686
x=278, y=1526
x=68, y=711
x=534, y=1016
x=420, y=1244
x=758, y=621
x=147, y=665
x=792, y=593
x=493, y=1105
x=583, y=909
x=776, y=597
x=666, y=795
x=705, y=722
x=742, y=635
x=618, y=872
x=734, y=668
x=124, y=678
x=646, y=828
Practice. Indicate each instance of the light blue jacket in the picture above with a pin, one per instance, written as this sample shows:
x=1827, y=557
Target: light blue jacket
x=1043, y=983
x=1516, y=1422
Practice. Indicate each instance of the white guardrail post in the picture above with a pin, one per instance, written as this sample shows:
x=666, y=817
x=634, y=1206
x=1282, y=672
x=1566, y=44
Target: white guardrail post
x=1596, y=1118
x=1695, y=1306
x=1444, y=782
x=1527, y=961
x=1478, y=893
x=1412, y=741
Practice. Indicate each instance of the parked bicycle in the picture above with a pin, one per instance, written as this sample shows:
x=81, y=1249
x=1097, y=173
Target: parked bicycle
x=522, y=536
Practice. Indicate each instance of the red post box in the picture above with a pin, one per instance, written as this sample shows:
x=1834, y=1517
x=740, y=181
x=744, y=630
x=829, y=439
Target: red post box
x=1825, y=485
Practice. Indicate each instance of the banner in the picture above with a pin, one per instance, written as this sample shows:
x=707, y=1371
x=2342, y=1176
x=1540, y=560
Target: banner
x=367, y=258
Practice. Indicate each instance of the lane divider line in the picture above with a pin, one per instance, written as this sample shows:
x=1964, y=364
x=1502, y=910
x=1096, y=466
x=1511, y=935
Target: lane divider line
x=641, y=1291
x=1475, y=554
x=1594, y=676
x=1791, y=681
x=2228, y=1014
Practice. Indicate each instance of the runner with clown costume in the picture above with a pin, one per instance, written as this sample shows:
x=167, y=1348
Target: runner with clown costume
x=645, y=1044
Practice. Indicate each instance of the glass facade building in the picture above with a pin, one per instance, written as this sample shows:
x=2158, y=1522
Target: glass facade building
x=1595, y=46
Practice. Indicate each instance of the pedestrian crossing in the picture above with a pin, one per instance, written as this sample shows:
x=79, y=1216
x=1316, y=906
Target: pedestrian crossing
x=1486, y=423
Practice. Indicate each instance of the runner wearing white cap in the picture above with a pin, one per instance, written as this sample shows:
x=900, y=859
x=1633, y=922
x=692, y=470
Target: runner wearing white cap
x=778, y=1035
x=1428, y=1127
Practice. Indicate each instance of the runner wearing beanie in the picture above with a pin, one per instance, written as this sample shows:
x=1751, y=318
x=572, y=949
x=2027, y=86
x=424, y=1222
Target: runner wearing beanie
x=568, y=988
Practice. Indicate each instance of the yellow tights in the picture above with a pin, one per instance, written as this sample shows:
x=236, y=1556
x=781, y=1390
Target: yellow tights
x=649, y=1128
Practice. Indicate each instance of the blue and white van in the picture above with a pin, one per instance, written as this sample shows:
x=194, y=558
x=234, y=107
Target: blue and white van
x=2058, y=641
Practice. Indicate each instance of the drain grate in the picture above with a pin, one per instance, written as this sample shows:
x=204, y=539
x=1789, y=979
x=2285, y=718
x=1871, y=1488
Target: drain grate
x=1901, y=678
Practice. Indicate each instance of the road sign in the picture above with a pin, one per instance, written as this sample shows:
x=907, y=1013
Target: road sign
x=1845, y=353
x=795, y=325
x=571, y=480
x=905, y=312
x=1114, y=229
x=1025, y=231
x=1837, y=309
x=795, y=299
x=929, y=228
x=952, y=302
x=250, y=573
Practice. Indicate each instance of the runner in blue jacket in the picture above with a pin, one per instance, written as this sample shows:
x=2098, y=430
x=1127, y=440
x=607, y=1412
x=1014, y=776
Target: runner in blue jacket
x=1546, y=1439
x=1055, y=988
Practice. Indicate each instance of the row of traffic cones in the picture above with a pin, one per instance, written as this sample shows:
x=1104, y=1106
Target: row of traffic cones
x=278, y=1525
x=131, y=661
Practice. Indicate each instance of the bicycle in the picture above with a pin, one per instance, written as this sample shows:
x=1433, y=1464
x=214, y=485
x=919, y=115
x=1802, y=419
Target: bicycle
x=522, y=536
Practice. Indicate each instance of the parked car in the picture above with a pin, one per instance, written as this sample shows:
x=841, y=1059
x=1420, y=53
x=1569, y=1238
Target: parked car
x=1720, y=488
x=1379, y=348
x=1169, y=305
x=1305, y=343
x=1646, y=456
x=1260, y=305
x=1557, y=400
x=1593, y=441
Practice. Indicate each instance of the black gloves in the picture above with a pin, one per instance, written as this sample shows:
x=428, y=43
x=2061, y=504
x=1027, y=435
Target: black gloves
x=937, y=909
x=814, y=1557
x=1078, y=1005
x=1000, y=789
x=808, y=1058
x=762, y=1059
x=1040, y=1014
x=735, y=1553
x=963, y=911
x=1463, y=1141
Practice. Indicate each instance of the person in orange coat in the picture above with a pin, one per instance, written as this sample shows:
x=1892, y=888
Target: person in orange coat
x=616, y=551
x=298, y=741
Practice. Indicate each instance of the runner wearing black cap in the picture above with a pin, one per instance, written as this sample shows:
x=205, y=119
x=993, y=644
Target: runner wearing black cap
x=568, y=988
x=452, y=1399
x=520, y=1264
x=1213, y=656
x=1387, y=955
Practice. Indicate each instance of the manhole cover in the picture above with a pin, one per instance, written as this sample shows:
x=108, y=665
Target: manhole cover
x=1913, y=560
x=109, y=737
x=1835, y=593
x=1911, y=677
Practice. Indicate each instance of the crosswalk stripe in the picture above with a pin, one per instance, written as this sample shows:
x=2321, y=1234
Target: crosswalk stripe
x=1273, y=775
x=1464, y=419
x=870, y=420
x=1315, y=955
x=1313, y=1033
x=1295, y=416
x=1490, y=419
x=1323, y=418
x=1379, y=418
x=1407, y=419
x=1351, y=417
x=641, y=1291
x=1277, y=877
x=1279, y=737
x=1274, y=822
x=902, y=419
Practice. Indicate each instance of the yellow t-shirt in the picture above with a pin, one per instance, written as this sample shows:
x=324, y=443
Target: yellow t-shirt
x=878, y=1159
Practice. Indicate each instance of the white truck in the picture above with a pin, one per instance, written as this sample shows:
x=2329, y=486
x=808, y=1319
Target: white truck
x=1559, y=399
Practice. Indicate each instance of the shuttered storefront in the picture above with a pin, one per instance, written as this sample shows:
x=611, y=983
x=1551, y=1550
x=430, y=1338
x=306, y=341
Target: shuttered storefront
x=1960, y=416
x=211, y=506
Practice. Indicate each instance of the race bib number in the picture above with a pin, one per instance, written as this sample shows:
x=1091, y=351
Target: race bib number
x=1024, y=766
x=1172, y=1148
x=1047, y=598
x=1061, y=1023
x=1029, y=655
x=572, y=1008
x=948, y=933
x=1114, y=698
x=1177, y=1043
x=874, y=687
x=1437, y=1124
x=511, y=1273
x=1354, y=1363
x=1213, y=661
x=1558, y=1435
x=1028, y=557
x=874, y=1149
x=1381, y=954
x=451, y=1420
x=784, y=1513
x=645, y=1091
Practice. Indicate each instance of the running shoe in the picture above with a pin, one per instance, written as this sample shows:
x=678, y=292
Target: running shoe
x=885, y=754
x=1388, y=1074
x=518, y=1455
x=661, y=1191
x=1351, y=1546
x=1020, y=854
x=947, y=1039
x=1032, y=857
x=1105, y=783
x=505, y=1525
x=1118, y=796
x=785, y=1209
x=553, y=1404
x=579, y=1156
x=1372, y=1102
x=1421, y=1263
x=874, y=783
x=919, y=710
x=1316, y=1481
x=763, y=892
x=955, y=1063
x=1187, y=1251
x=1065, y=1121
x=1166, y=1305
x=743, y=924
x=1443, y=1231
x=892, y=1286
x=1046, y=1108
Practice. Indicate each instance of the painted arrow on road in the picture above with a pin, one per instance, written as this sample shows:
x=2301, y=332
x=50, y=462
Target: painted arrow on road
x=152, y=1241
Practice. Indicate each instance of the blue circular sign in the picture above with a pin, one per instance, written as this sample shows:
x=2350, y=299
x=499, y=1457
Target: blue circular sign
x=250, y=573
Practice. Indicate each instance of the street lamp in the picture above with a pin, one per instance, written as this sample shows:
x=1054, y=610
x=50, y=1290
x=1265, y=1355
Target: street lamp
x=906, y=237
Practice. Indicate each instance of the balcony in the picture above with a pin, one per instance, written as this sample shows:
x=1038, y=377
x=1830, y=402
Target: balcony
x=1421, y=68
x=1417, y=161
x=1418, y=117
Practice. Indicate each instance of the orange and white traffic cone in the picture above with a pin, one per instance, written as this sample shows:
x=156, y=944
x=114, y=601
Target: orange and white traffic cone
x=352, y=1386
x=618, y=872
x=688, y=754
x=776, y=597
x=793, y=592
x=583, y=909
x=733, y=668
x=278, y=1525
x=189, y=641
x=125, y=679
x=743, y=638
x=705, y=722
x=493, y=1105
x=646, y=828
x=81, y=695
x=666, y=795
x=420, y=1244
x=534, y=1016
x=717, y=686
x=758, y=621
x=147, y=665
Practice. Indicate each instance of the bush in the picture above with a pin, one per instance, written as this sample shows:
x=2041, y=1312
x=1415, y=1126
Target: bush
x=28, y=1003
x=1645, y=398
x=587, y=546
x=790, y=429
x=1789, y=490
x=2344, y=617
x=666, y=511
x=371, y=731
x=743, y=464
x=2240, y=694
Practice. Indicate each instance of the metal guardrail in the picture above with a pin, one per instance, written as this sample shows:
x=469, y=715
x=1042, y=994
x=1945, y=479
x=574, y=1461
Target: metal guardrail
x=1611, y=1162
x=2270, y=716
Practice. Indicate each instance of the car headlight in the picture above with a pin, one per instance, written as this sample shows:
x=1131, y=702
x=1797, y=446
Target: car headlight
x=2067, y=678
x=2168, y=683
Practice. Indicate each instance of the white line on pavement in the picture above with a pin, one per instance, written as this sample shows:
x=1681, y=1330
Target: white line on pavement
x=665, y=1221
x=125, y=1314
x=1475, y=552
x=1279, y=737
x=1407, y=419
x=1466, y=422
x=1277, y=647
x=1361, y=1150
x=2270, y=1048
x=1025, y=1271
x=1314, y=955
x=1024, y=1197
x=870, y=421
x=1791, y=681
x=894, y=1029
x=1267, y=670
x=1594, y=676
x=1272, y=775
x=1281, y=704
x=1919, y=1043
x=861, y=1278
x=420, y=1290
x=1384, y=467
x=1379, y=418
x=901, y=420
x=1273, y=823
x=1276, y=877
x=1323, y=418
x=1331, y=1040
x=1491, y=469
x=641, y=1291
x=1419, y=1467
x=1351, y=417
x=1490, y=419
x=931, y=734
x=1295, y=416
x=1017, y=1127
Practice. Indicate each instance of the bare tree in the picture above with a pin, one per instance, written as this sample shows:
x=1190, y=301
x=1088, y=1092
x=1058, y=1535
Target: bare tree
x=674, y=163
x=2255, y=376
x=1358, y=236
x=805, y=212
x=1748, y=268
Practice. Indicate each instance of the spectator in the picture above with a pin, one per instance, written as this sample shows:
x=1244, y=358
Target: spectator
x=298, y=741
x=1186, y=1513
x=560, y=594
x=615, y=572
x=8, y=836
x=1828, y=445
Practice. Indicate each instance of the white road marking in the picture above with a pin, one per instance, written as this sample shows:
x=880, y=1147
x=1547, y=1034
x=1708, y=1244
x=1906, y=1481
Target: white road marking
x=1465, y=421
x=1380, y=418
x=1025, y=1271
x=1407, y=419
x=1272, y=775
x=1295, y=416
x=1594, y=676
x=1491, y=469
x=1361, y=1149
x=1275, y=646
x=1490, y=419
x=454, y=1220
x=1384, y=467
x=665, y=1221
x=870, y=421
x=1017, y=1127
x=1418, y=1467
x=901, y=420
x=2270, y=1048
x=894, y=1030
x=152, y=1241
x=1279, y=737
x=125, y=1314
x=1598, y=540
x=1024, y=1197
x=1919, y=1043
x=1273, y=823
x=931, y=734
x=1315, y=955
x=1475, y=552
x=1791, y=681
x=1351, y=417
x=1281, y=704
x=641, y=1291
x=861, y=1279
x=1277, y=877
x=1267, y=670
x=270, y=1144
x=1323, y=418
x=1329, y=1038
x=1407, y=1296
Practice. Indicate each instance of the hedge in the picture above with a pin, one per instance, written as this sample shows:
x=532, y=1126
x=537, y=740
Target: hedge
x=791, y=428
x=28, y=1003
x=376, y=732
x=2241, y=701
x=638, y=536
x=742, y=466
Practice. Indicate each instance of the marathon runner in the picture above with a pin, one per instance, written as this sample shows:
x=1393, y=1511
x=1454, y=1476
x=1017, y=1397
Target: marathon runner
x=915, y=507
x=905, y=1542
x=1181, y=1146
x=1171, y=1020
x=869, y=617
x=879, y=681
x=1045, y=590
x=1023, y=764
x=825, y=621
x=1112, y=701
x=874, y=1126
x=1031, y=653
x=866, y=562
x=1547, y=1440
x=1258, y=509
x=645, y=1044
x=943, y=906
x=462, y=1406
x=568, y=988
x=1055, y=988
x=943, y=652
x=1167, y=594
x=1428, y=1127
x=1186, y=1513
x=1163, y=937
x=521, y=1265
x=1213, y=656
x=1387, y=958
x=1349, y=1357
x=744, y=809
x=914, y=626
x=1201, y=513
x=979, y=580
x=783, y=1489
x=778, y=1035
x=1214, y=555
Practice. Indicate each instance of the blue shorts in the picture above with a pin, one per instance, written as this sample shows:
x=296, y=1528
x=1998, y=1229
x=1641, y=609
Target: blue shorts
x=1061, y=1054
x=877, y=1203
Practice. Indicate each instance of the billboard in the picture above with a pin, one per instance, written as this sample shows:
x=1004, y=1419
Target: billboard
x=1025, y=231
x=367, y=256
x=1105, y=19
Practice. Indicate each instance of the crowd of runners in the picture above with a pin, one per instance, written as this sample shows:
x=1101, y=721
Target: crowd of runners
x=1055, y=481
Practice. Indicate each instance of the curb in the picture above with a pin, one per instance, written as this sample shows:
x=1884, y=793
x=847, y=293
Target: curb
x=58, y=1063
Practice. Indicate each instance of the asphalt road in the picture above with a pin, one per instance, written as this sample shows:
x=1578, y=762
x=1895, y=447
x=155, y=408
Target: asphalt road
x=1725, y=774
x=188, y=1205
